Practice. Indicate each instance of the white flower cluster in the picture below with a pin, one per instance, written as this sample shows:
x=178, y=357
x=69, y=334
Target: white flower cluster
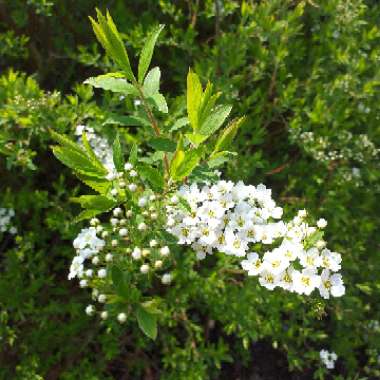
x=87, y=245
x=230, y=218
x=328, y=358
x=100, y=146
x=6, y=214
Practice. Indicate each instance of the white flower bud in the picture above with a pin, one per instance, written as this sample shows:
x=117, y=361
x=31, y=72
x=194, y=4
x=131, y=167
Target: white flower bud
x=114, y=192
x=322, y=223
x=145, y=213
x=110, y=176
x=153, y=216
x=123, y=232
x=123, y=222
x=164, y=251
x=320, y=244
x=102, y=273
x=142, y=227
x=99, y=229
x=102, y=298
x=152, y=197
x=158, y=264
x=128, y=166
x=146, y=252
x=94, y=221
x=166, y=278
x=83, y=283
x=104, y=315
x=122, y=184
x=144, y=268
x=89, y=272
x=109, y=257
x=105, y=234
x=132, y=187
x=122, y=317
x=142, y=202
x=174, y=199
x=153, y=243
x=114, y=221
x=95, y=260
x=302, y=213
x=133, y=173
x=136, y=254
x=90, y=310
x=95, y=293
x=129, y=213
x=117, y=211
x=114, y=243
x=128, y=250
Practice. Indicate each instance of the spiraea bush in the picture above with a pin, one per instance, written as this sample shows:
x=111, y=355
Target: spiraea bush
x=160, y=222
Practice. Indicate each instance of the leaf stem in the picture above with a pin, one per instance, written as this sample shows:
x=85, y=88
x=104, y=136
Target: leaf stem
x=152, y=120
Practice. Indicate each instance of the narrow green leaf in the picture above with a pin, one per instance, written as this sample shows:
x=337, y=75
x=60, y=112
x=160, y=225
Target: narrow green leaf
x=147, y=322
x=194, y=98
x=65, y=141
x=127, y=121
x=147, y=53
x=189, y=162
x=77, y=161
x=133, y=155
x=90, y=153
x=227, y=136
x=215, y=120
x=218, y=159
x=152, y=82
x=118, y=158
x=160, y=102
x=181, y=122
x=110, y=83
x=162, y=144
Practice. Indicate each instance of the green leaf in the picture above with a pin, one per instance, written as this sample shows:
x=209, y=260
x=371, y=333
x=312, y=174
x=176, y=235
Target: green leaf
x=181, y=122
x=215, y=120
x=101, y=185
x=110, y=83
x=152, y=82
x=225, y=139
x=189, y=162
x=120, y=281
x=95, y=202
x=147, y=53
x=160, y=102
x=184, y=204
x=86, y=214
x=147, y=322
x=118, y=158
x=109, y=37
x=203, y=174
x=153, y=176
x=168, y=238
x=78, y=162
x=162, y=144
x=90, y=153
x=133, y=155
x=194, y=98
x=219, y=158
x=65, y=141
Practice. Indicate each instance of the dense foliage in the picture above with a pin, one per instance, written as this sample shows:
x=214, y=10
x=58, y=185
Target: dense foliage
x=304, y=73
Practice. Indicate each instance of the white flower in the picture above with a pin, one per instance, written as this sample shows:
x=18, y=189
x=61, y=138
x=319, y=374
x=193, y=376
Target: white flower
x=87, y=238
x=132, y=187
x=311, y=259
x=90, y=310
x=166, y=278
x=306, y=281
x=158, y=264
x=117, y=211
x=331, y=260
x=268, y=280
x=153, y=243
x=102, y=273
x=331, y=284
x=142, y=202
x=104, y=315
x=133, y=173
x=328, y=358
x=128, y=166
x=253, y=265
x=275, y=262
x=122, y=317
x=322, y=223
x=109, y=257
x=142, y=226
x=123, y=232
x=76, y=268
x=83, y=283
x=102, y=298
x=136, y=254
x=114, y=192
x=165, y=251
x=144, y=268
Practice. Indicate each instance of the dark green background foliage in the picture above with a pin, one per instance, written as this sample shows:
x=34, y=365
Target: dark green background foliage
x=306, y=74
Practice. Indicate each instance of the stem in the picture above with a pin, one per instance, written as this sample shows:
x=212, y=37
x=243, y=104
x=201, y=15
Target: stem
x=153, y=121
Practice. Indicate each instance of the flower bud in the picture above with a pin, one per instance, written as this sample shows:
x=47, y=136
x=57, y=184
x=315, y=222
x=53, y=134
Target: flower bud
x=122, y=317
